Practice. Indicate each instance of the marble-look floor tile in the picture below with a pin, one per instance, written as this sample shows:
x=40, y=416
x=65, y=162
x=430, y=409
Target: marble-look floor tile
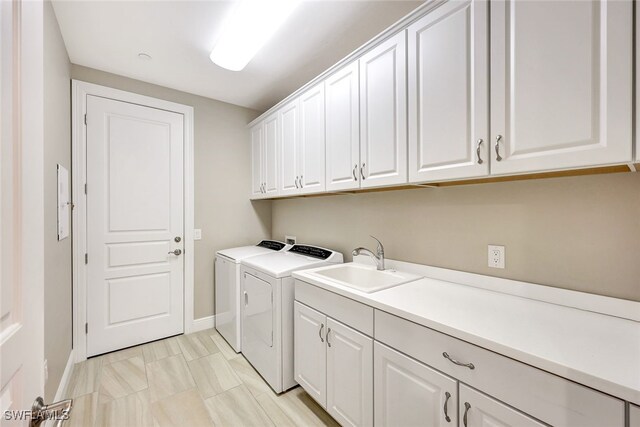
x=122, y=378
x=236, y=408
x=83, y=413
x=298, y=407
x=249, y=376
x=119, y=355
x=161, y=349
x=129, y=411
x=197, y=345
x=168, y=376
x=183, y=409
x=227, y=351
x=213, y=375
x=85, y=378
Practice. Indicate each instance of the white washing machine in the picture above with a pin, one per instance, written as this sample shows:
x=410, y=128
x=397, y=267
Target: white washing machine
x=267, y=309
x=227, y=287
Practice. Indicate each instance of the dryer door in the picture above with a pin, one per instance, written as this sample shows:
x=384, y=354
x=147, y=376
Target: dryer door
x=258, y=311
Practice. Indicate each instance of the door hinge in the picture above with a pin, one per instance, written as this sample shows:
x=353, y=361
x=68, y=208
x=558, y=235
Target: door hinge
x=85, y=119
x=86, y=328
x=85, y=188
x=86, y=258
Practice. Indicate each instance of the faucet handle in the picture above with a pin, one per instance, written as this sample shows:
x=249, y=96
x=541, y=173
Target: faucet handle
x=380, y=249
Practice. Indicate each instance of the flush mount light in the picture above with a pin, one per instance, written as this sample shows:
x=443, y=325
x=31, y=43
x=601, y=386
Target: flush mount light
x=144, y=56
x=247, y=29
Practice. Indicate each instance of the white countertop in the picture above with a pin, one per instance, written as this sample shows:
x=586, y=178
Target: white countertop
x=596, y=350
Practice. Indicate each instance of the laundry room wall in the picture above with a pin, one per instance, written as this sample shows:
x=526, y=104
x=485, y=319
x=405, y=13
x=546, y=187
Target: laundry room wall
x=222, y=182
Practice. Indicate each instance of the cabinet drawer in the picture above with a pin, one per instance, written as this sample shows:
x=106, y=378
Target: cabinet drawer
x=347, y=311
x=545, y=396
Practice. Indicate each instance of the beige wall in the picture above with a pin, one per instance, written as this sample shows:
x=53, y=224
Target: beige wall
x=580, y=233
x=222, y=179
x=57, y=255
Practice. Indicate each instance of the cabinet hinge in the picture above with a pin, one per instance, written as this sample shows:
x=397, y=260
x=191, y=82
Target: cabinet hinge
x=85, y=119
x=85, y=188
x=86, y=328
x=86, y=258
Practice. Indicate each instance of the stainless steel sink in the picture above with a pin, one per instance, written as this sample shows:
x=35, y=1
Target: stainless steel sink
x=364, y=278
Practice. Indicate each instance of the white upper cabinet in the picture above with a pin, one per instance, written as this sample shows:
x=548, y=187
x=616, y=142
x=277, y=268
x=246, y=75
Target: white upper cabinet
x=289, y=122
x=270, y=153
x=342, y=129
x=312, y=141
x=448, y=93
x=637, y=76
x=257, y=161
x=561, y=84
x=383, y=113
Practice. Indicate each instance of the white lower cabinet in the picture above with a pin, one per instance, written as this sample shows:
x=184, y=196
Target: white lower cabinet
x=334, y=364
x=634, y=416
x=409, y=393
x=479, y=410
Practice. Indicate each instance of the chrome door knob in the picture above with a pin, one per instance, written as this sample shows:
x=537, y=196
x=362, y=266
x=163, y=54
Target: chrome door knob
x=176, y=252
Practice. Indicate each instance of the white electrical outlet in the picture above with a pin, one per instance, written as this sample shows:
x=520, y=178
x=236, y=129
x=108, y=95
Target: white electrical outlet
x=290, y=240
x=496, y=256
x=197, y=234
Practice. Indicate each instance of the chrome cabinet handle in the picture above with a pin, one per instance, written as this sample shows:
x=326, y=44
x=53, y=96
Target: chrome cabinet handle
x=454, y=361
x=176, y=252
x=498, y=139
x=467, y=406
x=328, y=332
x=478, y=151
x=355, y=168
x=297, y=182
x=320, y=332
x=246, y=297
x=446, y=401
x=301, y=185
x=362, y=172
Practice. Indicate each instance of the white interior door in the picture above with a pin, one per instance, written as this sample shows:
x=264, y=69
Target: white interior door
x=134, y=223
x=561, y=92
x=21, y=208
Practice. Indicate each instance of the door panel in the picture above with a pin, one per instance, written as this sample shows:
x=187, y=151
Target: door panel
x=349, y=375
x=270, y=156
x=310, y=356
x=289, y=118
x=258, y=310
x=408, y=393
x=483, y=411
x=634, y=415
x=134, y=212
x=560, y=92
x=383, y=114
x=257, y=161
x=343, y=129
x=448, y=93
x=312, y=141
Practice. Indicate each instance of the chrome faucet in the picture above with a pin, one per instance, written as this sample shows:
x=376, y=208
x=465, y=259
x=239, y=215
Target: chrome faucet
x=379, y=258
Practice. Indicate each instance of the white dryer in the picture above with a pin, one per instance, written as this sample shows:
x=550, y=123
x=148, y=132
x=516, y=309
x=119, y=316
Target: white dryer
x=267, y=309
x=227, y=287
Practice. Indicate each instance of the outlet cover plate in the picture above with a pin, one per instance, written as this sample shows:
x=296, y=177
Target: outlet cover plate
x=197, y=234
x=495, y=256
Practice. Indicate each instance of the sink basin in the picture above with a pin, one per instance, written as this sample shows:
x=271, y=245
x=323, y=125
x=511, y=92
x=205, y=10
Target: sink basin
x=363, y=277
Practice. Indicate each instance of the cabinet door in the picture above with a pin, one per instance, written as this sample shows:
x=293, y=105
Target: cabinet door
x=310, y=357
x=257, y=161
x=448, y=93
x=408, y=393
x=349, y=375
x=634, y=416
x=383, y=114
x=560, y=92
x=343, y=129
x=270, y=154
x=289, y=123
x=312, y=141
x=479, y=410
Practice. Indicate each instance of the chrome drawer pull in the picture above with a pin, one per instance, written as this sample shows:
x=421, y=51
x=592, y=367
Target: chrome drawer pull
x=498, y=139
x=454, y=361
x=467, y=406
x=355, y=177
x=478, y=152
x=446, y=400
x=362, y=172
x=320, y=332
x=328, y=332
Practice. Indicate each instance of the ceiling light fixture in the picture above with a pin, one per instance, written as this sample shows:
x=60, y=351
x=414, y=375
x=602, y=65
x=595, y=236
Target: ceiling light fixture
x=247, y=29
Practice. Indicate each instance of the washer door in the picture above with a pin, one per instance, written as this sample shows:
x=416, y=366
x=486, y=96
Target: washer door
x=258, y=311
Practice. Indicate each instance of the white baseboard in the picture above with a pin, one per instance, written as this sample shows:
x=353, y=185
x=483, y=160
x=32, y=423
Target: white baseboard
x=65, y=378
x=203, y=323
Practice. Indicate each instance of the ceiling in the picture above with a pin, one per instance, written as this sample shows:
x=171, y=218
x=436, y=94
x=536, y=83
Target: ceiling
x=179, y=35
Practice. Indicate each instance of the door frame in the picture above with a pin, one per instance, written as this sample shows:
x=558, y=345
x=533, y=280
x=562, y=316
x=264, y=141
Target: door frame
x=79, y=92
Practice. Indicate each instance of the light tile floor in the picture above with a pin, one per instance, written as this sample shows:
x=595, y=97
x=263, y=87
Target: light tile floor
x=189, y=380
